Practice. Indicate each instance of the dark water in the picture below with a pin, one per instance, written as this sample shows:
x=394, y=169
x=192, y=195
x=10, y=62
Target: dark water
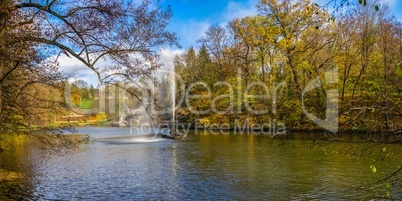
x=206, y=166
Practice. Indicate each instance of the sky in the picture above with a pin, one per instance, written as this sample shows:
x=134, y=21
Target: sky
x=191, y=18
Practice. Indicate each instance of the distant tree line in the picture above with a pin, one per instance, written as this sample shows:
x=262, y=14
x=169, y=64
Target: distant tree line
x=294, y=42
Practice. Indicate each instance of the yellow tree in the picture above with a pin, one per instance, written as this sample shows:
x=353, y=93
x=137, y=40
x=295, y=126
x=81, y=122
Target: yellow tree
x=260, y=34
x=294, y=21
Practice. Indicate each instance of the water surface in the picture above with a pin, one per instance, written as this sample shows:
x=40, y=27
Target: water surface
x=117, y=165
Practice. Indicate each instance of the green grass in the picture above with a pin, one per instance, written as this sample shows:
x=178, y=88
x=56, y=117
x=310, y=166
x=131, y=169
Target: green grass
x=87, y=104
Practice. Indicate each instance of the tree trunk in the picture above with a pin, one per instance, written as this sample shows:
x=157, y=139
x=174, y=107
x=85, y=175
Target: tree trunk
x=2, y=69
x=3, y=21
x=263, y=67
x=295, y=77
x=1, y=90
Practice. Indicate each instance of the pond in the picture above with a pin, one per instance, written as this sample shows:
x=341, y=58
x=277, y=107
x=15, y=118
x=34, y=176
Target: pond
x=201, y=166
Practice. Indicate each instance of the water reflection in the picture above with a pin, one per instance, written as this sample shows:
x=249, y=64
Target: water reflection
x=207, y=166
x=16, y=168
x=131, y=140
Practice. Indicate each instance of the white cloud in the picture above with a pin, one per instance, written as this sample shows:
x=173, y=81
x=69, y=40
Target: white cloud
x=70, y=65
x=240, y=10
x=391, y=3
x=166, y=57
x=74, y=67
x=190, y=31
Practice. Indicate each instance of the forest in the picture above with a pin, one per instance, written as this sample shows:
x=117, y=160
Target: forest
x=276, y=65
x=328, y=77
x=295, y=63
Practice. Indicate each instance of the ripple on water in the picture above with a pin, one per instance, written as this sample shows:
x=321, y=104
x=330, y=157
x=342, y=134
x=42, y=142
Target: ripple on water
x=208, y=167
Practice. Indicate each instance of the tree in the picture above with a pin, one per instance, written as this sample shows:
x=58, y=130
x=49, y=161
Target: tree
x=205, y=68
x=218, y=41
x=244, y=48
x=294, y=21
x=124, y=32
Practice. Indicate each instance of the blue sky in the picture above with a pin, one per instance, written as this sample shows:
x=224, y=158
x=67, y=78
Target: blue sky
x=192, y=17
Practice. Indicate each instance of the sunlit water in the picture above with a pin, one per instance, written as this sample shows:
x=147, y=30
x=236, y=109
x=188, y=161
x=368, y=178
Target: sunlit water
x=117, y=166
